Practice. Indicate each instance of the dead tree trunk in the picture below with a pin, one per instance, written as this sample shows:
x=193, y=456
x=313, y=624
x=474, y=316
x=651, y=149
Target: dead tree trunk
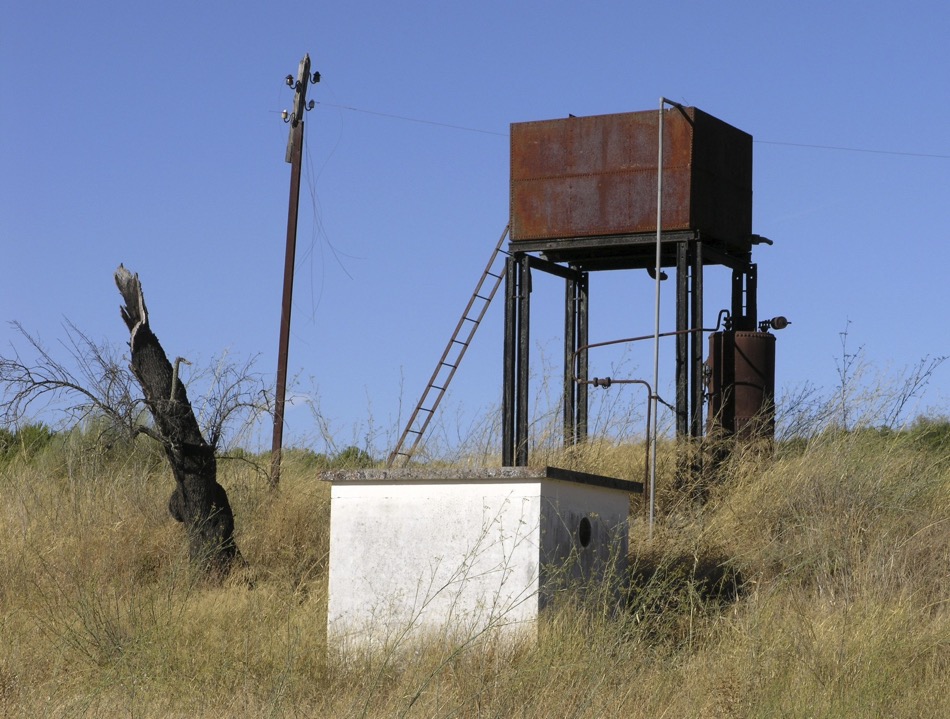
x=198, y=500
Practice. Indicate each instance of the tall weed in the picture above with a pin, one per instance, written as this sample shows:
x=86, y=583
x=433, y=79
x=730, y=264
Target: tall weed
x=811, y=583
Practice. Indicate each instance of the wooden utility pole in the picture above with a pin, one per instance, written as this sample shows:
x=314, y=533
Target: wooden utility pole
x=294, y=157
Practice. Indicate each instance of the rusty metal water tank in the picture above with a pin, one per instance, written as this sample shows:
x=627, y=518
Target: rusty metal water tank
x=741, y=384
x=589, y=177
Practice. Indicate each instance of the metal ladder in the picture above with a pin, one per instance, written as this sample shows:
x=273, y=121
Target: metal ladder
x=445, y=369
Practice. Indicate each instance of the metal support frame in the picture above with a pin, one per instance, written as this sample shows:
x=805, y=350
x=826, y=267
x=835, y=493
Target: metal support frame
x=689, y=253
x=514, y=403
x=689, y=345
x=517, y=335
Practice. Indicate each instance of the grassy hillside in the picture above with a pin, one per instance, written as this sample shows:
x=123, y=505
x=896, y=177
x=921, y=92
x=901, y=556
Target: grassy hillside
x=814, y=585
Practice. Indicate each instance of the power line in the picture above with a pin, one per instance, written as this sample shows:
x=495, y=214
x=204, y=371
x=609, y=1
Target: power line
x=836, y=148
x=852, y=149
x=414, y=119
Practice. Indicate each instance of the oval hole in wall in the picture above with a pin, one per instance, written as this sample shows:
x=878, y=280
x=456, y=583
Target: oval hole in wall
x=583, y=532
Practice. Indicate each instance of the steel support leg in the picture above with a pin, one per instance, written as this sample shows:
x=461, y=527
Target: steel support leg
x=682, y=340
x=569, y=406
x=509, y=379
x=696, y=342
x=583, y=339
x=575, y=336
x=522, y=370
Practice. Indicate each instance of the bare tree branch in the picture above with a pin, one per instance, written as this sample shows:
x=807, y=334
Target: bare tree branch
x=94, y=380
x=98, y=385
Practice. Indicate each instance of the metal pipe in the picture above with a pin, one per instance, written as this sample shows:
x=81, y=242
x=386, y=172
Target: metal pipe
x=656, y=335
x=606, y=382
x=653, y=398
x=671, y=333
x=723, y=315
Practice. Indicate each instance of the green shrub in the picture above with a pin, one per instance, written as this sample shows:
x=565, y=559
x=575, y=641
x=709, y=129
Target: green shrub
x=352, y=458
x=931, y=433
x=28, y=440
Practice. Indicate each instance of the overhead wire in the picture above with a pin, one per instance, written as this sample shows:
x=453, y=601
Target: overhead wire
x=837, y=148
x=414, y=119
x=318, y=231
x=852, y=149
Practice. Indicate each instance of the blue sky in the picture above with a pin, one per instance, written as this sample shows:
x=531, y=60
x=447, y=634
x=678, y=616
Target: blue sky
x=151, y=135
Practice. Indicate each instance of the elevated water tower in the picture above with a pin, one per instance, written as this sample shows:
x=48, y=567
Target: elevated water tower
x=584, y=199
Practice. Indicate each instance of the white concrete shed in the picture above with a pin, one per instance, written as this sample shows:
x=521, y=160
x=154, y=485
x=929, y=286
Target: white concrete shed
x=453, y=553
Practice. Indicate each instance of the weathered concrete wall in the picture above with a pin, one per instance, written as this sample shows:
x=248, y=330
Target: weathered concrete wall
x=454, y=554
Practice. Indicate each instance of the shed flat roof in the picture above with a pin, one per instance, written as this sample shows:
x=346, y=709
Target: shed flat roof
x=423, y=475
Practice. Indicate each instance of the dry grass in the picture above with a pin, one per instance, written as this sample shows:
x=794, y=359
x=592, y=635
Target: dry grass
x=812, y=585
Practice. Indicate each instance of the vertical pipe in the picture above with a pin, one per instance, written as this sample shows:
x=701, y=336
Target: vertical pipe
x=287, y=303
x=656, y=337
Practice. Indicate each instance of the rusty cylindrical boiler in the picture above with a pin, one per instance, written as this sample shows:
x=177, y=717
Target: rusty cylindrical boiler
x=741, y=385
